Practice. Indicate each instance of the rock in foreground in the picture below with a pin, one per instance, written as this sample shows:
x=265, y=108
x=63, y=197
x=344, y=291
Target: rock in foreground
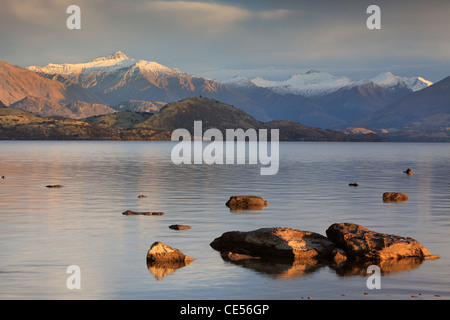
x=363, y=244
x=277, y=243
x=394, y=196
x=162, y=253
x=246, y=203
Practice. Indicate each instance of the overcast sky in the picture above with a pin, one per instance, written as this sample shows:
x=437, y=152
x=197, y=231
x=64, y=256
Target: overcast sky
x=220, y=39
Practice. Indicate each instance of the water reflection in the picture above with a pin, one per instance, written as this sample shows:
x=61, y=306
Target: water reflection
x=160, y=269
x=274, y=268
x=387, y=266
x=299, y=268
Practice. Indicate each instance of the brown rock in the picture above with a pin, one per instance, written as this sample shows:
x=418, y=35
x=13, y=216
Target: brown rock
x=142, y=196
x=246, y=203
x=363, y=244
x=394, y=196
x=339, y=256
x=408, y=171
x=130, y=213
x=179, y=227
x=232, y=256
x=276, y=243
x=160, y=252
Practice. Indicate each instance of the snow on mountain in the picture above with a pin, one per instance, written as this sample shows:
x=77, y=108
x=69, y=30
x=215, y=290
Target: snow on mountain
x=311, y=83
x=239, y=81
x=108, y=64
x=391, y=81
x=417, y=83
x=316, y=83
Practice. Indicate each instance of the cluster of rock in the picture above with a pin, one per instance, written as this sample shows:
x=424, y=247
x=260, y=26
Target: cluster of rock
x=305, y=250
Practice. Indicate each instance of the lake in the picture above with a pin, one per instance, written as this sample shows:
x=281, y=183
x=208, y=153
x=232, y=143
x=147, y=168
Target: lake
x=44, y=230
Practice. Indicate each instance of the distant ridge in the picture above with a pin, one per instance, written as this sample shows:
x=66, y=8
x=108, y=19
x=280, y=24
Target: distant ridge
x=126, y=125
x=427, y=109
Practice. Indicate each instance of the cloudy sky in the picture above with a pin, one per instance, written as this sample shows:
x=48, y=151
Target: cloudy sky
x=223, y=38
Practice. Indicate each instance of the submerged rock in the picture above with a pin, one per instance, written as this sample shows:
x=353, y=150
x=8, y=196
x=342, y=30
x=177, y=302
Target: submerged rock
x=276, y=244
x=360, y=243
x=246, y=203
x=55, y=186
x=353, y=184
x=394, y=196
x=150, y=213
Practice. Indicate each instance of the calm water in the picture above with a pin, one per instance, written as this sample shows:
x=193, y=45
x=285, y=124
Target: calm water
x=43, y=231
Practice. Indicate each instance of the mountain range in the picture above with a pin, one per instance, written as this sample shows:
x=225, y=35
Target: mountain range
x=315, y=98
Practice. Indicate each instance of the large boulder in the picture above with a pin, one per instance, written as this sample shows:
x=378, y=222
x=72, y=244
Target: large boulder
x=360, y=243
x=277, y=244
x=246, y=203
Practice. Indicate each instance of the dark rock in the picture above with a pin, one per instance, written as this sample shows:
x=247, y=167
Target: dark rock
x=353, y=184
x=277, y=243
x=179, y=227
x=246, y=203
x=360, y=243
x=130, y=213
x=408, y=171
x=394, y=196
x=55, y=186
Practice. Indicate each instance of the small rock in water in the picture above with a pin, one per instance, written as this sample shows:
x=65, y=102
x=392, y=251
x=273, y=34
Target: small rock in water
x=353, y=184
x=408, y=171
x=162, y=252
x=179, y=227
x=395, y=196
x=142, y=196
x=131, y=213
x=3, y=177
x=55, y=186
x=246, y=203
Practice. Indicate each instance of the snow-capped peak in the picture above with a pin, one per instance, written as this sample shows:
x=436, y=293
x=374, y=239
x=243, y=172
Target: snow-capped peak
x=389, y=80
x=239, y=81
x=314, y=83
x=311, y=83
x=417, y=83
x=111, y=63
